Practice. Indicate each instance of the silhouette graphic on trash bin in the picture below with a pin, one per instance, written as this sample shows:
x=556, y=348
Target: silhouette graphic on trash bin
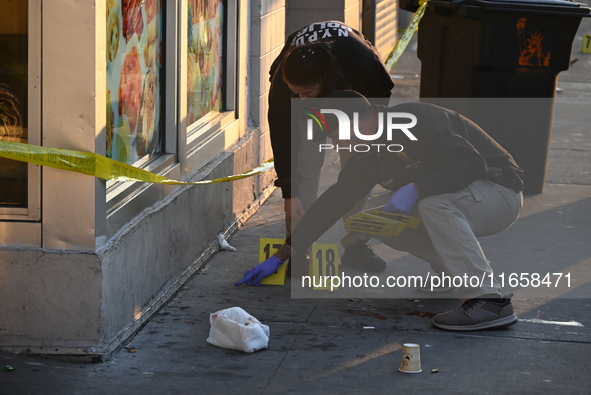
x=531, y=47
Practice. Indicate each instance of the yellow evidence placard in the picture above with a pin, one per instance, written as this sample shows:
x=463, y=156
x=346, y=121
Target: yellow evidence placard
x=268, y=247
x=324, y=264
x=586, y=43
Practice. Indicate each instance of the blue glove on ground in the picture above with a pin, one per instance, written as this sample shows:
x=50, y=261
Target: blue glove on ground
x=403, y=199
x=260, y=271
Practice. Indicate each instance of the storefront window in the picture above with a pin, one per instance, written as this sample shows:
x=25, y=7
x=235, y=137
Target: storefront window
x=134, y=79
x=14, y=98
x=205, y=63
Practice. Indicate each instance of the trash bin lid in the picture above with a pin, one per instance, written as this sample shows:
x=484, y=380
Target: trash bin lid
x=559, y=7
x=564, y=3
x=543, y=6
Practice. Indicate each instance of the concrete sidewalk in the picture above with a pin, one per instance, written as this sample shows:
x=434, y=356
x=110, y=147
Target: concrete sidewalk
x=324, y=345
x=353, y=345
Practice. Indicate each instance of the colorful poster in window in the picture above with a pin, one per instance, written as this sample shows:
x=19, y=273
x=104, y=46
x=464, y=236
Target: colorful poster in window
x=134, y=79
x=205, y=68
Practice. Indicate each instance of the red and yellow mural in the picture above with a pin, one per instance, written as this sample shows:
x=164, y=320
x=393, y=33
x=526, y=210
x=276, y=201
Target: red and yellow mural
x=205, y=58
x=134, y=69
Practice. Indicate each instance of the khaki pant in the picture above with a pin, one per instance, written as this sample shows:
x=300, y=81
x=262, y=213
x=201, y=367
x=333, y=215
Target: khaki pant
x=450, y=226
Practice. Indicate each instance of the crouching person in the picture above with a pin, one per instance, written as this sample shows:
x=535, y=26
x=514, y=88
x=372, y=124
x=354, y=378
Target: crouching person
x=451, y=174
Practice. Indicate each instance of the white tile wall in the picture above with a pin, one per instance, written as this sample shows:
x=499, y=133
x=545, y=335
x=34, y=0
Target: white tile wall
x=267, y=36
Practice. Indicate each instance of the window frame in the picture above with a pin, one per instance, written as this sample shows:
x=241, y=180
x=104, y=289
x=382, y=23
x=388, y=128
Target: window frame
x=124, y=200
x=32, y=212
x=185, y=151
x=186, y=148
x=203, y=139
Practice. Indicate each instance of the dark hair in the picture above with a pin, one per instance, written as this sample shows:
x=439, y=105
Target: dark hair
x=314, y=63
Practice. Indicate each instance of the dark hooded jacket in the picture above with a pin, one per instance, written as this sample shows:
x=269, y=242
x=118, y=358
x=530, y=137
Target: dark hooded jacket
x=361, y=66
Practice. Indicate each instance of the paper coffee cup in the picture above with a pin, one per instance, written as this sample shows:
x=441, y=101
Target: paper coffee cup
x=410, y=362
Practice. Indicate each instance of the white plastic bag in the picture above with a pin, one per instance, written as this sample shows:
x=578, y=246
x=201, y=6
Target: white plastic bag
x=235, y=329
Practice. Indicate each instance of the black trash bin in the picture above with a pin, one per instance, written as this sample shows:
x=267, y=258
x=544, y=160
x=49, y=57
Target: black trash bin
x=505, y=56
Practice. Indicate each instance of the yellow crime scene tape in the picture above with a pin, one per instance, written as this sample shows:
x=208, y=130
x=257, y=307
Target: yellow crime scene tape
x=108, y=169
x=100, y=166
x=407, y=35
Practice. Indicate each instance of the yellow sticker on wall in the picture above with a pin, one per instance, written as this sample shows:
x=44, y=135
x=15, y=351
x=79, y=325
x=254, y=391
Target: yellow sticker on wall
x=324, y=265
x=267, y=248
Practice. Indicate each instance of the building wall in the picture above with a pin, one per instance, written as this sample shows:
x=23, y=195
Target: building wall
x=90, y=276
x=267, y=27
x=53, y=301
x=163, y=247
x=380, y=24
x=91, y=282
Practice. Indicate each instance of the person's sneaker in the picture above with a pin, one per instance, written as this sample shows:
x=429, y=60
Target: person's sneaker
x=434, y=283
x=360, y=256
x=478, y=313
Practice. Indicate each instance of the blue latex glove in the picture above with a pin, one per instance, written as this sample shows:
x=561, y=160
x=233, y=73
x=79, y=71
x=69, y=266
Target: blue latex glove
x=260, y=271
x=403, y=199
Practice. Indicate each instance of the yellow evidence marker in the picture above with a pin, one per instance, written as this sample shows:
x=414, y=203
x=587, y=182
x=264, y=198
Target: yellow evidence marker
x=268, y=247
x=324, y=264
x=586, y=43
